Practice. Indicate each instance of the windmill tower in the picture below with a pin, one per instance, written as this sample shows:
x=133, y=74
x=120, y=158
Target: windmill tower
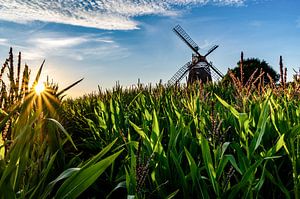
x=197, y=69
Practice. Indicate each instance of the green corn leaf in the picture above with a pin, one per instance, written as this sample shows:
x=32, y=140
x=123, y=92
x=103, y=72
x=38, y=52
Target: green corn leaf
x=119, y=185
x=140, y=131
x=279, y=144
x=38, y=74
x=224, y=148
x=193, y=166
x=261, y=181
x=172, y=195
x=45, y=175
x=180, y=173
x=63, y=130
x=232, y=110
x=221, y=166
x=97, y=157
x=208, y=163
x=82, y=179
x=233, y=163
x=246, y=180
x=65, y=174
x=197, y=180
x=155, y=128
x=261, y=127
x=68, y=87
x=278, y=183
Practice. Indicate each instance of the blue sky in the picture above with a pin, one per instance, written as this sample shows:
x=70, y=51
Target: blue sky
x=106, y=41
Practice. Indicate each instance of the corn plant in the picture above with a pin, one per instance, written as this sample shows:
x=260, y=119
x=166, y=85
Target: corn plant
x=207, y=141
x=34, y=159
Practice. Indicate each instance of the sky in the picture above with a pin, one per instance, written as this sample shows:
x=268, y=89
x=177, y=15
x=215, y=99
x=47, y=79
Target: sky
x=105, y=41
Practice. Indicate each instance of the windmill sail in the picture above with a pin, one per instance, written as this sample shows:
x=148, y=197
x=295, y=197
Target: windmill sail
x=186, y=38
x=180, y=74
x=211, y=50
x=216, y=74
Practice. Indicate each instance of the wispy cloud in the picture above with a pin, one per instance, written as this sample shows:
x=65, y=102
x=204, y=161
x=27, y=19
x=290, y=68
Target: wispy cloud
x=57, y=43
x=47, y=44
x=102, y=14
x=3, y=42
x=77, y=47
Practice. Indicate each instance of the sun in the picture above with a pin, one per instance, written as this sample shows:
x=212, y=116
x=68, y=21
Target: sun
x=39, y=88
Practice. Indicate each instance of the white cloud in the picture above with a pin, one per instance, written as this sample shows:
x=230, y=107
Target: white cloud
x=44, y=45
x=102, y=14
x=105, y=40
x=3, y=42
x=33, y=54
x=54, y=43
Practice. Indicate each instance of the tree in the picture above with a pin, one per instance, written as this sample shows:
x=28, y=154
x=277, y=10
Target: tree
x=249, y=66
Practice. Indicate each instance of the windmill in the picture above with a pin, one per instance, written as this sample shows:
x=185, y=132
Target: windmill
x=197, y=69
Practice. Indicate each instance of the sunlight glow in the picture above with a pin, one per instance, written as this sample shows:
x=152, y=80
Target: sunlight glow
x=39, y=88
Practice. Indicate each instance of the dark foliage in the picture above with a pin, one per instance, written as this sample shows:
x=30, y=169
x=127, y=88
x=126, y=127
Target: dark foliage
x=250, y=65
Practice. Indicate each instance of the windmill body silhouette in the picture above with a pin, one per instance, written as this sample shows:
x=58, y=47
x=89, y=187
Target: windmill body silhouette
x=197, y=69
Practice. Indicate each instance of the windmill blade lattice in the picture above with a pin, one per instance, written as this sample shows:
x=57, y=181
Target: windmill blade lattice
x=186, y=38
x=211, y=50
x=180, y=74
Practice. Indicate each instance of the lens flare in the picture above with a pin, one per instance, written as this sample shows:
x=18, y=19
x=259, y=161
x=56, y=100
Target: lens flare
x=39, y=88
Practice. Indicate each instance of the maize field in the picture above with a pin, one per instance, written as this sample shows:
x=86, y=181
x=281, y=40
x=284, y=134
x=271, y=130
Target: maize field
x=216, y=140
